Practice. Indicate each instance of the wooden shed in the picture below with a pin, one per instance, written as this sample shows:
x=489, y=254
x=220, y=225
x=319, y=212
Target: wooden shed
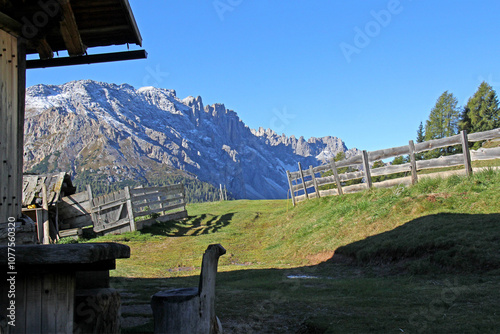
x=48, y=278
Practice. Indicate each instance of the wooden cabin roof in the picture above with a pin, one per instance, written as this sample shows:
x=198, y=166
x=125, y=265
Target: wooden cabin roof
x=58, y=185
x=73, y=25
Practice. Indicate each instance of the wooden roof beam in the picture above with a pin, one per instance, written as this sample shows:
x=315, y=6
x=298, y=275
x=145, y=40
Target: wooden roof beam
x=44, y=49
x=69, y=30
x=10, y=25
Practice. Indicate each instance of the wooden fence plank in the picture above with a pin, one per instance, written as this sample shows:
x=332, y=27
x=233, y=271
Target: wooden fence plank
x=303, y=183
x=391, y=169
x=441, y=162
x=466, y=153
x=388, y=153
x=366, y=165
x=485, y=135
x=292, y=192
x=336, y=177
x=413, y=162
x=167, y=208
x=316, y=190
x=485, y=154
x=437, y=143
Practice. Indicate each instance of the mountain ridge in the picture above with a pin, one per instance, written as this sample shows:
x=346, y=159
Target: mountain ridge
x=125, y=133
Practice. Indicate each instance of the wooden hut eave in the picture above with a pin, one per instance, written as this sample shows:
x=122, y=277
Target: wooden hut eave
x=69, y=25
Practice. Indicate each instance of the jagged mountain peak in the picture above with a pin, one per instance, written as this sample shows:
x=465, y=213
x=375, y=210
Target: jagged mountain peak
x=124, y=132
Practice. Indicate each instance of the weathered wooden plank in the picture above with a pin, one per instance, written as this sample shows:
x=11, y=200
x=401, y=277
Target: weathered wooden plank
x=366, y=165
x=485, y=154
x=388, y=153
x=352, y=161
x=413, y=162
x=485, y=135
x=109, y=226
x=466, y=153
x=109, y=205
x=152, y=190
x=161, y=203
x=445, y=161
x=391, y=169
x=70, y=232
x=351, y=176
x=304, y=187
x=75, y=222
x=322, y=168
x=336, y=177
x=76, y=198
x=315, y=183
x=166, y=208
x=151, y=197
x=354, y=188
x=171, y=216
x=130, y=209
x=437, y=143
x=290, y=185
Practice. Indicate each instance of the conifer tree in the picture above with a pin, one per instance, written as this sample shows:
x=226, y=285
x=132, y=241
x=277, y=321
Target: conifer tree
x=482, y=111
x=420, y=133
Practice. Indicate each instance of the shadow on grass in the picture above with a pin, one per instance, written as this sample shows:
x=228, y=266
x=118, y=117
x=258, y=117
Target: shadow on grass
x=192, y=226
x=444, y=242
x=457, y=257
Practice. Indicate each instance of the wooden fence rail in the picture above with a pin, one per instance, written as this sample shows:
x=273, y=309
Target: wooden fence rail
x=311, y=178
x=122, y=211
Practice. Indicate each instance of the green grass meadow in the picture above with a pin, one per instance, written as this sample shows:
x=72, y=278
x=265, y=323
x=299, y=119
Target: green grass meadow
x=419, y=259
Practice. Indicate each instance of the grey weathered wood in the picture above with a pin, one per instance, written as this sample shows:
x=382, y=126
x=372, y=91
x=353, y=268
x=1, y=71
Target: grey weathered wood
x=167, y=208
x=46, y=222
x=303, y=182
x=413, y=162
x=316, y=188
x=437, y=143
x=485, y=135
x=388, y=153
x=190, y=310
x=444, y=161
x=336, y=176
x=485, y=153
x=391, y=169
x=466, y=153
x=352, y=161
x=351, y=176
x=366, y=166
x=290, y=185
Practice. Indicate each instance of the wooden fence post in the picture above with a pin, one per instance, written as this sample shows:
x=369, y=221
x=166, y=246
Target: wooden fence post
x=289, y=177
x=128, y=197
x=45, y=215
x=413, y=162
x=336, y=176
x=303, y=182
x=366, y=165
x=466, y=152
x=316, y=188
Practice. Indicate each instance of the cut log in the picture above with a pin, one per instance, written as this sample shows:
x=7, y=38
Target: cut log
x=190, y=310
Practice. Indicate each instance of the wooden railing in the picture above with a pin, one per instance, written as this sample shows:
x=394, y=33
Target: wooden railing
x=132, y=209
x=311, y=179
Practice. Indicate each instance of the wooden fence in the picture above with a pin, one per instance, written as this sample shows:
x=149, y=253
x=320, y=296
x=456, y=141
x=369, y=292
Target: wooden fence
x=132, y=209
x=304, y=180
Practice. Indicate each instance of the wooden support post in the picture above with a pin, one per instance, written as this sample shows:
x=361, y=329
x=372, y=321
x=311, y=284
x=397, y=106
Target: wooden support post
x=466, y=152
x=221, y=194
x=303, y=182
x=290, y=184
x=366, y=165
x=46, y=222
x=336, y=176
x=413, y=162
x=316, y=188
x=130, y=209
x=190, y=310
x=225, y=193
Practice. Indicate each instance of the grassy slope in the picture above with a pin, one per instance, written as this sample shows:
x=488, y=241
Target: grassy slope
x=425, y=259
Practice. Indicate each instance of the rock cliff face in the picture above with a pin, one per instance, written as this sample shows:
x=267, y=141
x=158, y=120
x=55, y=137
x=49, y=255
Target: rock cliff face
x=126, y=133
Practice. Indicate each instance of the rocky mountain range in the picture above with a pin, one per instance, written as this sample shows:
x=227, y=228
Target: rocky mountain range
x=117, y=133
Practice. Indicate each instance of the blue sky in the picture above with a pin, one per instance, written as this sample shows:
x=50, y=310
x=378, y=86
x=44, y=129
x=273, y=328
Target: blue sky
x=365, y=71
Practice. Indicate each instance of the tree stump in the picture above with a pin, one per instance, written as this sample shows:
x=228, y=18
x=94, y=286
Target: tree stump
x=190, y=310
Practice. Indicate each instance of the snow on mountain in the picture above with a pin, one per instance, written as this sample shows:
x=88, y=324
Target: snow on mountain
x=125, y=132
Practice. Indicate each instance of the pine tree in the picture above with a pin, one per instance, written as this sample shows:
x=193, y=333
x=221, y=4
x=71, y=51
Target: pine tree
x=482, y=111
x=443, y=119
x=420, y=133
x=443, y=122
